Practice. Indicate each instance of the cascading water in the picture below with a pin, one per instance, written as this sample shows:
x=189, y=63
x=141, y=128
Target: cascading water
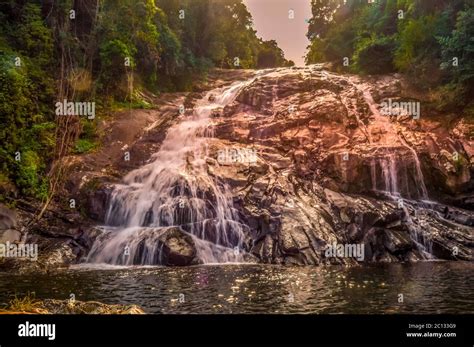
x=174, y=190
x=389, y=162
x=388, y=168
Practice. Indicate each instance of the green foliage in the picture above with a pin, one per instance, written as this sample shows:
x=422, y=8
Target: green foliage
x=374, y=55
x=419, y=38
x=29, y=175
x=26, y=92
x=271, y=55
x=215, y=32
x=315, y=52
x=460, y=45
x=109, y=53
x=337, y=45
x=113, y=54
x=169, y=53
x=87, y=141
x=414, y=37
x=84, y=146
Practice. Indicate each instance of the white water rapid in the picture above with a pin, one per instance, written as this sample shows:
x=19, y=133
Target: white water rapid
x=175, y=189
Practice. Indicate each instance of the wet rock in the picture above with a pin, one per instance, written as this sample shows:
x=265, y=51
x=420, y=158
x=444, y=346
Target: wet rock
x=10, y=236
x=8, y=218
x=97, y=201
x=59, y=256
x=397, y=242
x=8, y=225
x=329, y=170
x=86, y=238
x=177, y=247
x=267, y=249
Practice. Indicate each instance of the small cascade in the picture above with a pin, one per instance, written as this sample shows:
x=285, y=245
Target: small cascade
x=388, y=165
x=390, y=139
x=422, y=240
x=419, y=179
x=174, y=190
x=389, y=168
x=395, y=175
x=423, y=243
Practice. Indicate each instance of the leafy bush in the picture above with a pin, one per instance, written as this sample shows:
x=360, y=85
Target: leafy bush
x=26, y=92
x=30, y=178
x=375, y=55
x=84, y=146
x=419, y=38
x=460, y=45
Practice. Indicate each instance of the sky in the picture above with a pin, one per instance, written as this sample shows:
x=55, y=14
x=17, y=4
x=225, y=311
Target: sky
x=271, y=20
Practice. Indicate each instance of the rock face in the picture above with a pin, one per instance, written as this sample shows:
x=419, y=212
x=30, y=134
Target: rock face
x=8, y=224
x=332, y=168
x=8, y=218
x=314, y=162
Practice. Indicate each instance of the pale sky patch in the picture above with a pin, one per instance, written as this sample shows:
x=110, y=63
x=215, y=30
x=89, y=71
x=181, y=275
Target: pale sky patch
x=271, y=21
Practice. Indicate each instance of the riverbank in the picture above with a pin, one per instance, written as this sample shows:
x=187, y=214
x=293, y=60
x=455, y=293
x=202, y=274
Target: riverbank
x=30, y=305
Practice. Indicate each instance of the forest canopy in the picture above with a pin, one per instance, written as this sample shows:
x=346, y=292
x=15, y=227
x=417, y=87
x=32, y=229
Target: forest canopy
x=97, y=50
x=432, y=42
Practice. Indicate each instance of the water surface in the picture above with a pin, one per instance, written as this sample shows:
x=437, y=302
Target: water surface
x=427, y=287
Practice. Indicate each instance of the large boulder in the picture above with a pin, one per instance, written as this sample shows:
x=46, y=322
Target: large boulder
x=8, y=223
x=8, y=218
x=178, y=247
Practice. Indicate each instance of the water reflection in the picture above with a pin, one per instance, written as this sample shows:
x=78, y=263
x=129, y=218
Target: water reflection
x=427, y=287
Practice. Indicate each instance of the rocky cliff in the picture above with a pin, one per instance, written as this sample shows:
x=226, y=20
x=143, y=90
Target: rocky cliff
x=310, y=159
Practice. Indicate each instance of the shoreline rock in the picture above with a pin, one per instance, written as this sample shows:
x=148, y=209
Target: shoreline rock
x=52, y=306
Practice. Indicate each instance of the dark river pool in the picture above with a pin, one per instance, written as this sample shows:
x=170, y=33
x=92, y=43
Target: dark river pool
x=427, y=287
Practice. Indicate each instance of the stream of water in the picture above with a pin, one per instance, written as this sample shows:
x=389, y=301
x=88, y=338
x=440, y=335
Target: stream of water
x=175, y=189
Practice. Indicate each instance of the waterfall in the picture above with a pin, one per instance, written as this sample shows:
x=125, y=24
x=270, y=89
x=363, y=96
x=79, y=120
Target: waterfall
x=388, y=163
x=419, y=179
x=174, y=190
